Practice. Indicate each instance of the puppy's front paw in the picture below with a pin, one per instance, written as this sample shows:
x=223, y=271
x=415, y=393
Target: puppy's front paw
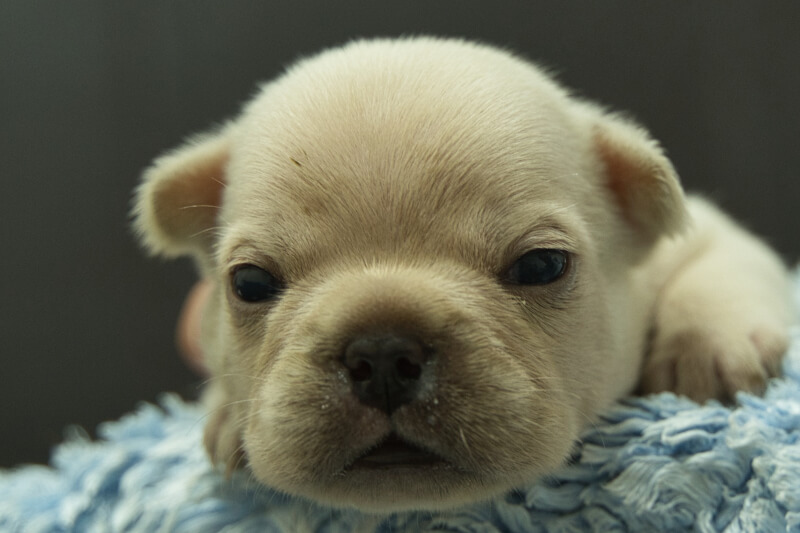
x=704, y=362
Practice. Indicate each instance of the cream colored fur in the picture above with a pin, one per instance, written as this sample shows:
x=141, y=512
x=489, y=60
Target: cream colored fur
x=390, y=184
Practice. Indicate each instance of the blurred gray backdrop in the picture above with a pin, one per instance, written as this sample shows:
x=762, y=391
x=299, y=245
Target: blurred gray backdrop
x=91, y=91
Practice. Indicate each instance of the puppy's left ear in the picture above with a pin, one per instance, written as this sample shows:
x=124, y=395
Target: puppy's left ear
x=642, y=180
x=177, y=204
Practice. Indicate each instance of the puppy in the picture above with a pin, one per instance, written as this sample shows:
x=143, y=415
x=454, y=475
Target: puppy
x=433, y=267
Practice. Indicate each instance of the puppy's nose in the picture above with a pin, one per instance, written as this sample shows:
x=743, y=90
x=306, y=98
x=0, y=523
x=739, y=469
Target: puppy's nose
x=385, y=370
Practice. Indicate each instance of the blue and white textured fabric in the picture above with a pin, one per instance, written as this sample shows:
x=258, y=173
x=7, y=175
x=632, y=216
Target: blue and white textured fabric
x=660, y=463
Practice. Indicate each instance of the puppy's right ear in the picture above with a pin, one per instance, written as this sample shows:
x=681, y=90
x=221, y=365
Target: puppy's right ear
x=177, y=204
x=642, y=180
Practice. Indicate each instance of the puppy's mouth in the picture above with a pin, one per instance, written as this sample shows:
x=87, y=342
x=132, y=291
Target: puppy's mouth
x=394, y=452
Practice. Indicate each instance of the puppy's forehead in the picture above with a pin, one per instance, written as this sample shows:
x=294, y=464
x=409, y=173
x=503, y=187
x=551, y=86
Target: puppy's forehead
x=400, y=146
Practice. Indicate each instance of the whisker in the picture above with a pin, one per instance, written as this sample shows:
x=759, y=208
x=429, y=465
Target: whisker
x=210, y=379
x=199, y=205
x=238, y=455
x=224, y=185
x=208, y=230
x=210, y=412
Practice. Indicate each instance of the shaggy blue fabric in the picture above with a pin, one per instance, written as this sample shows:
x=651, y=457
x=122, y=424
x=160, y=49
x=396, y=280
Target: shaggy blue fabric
x=660, y=463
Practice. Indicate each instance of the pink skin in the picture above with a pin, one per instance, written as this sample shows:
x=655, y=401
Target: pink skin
x=187, y=335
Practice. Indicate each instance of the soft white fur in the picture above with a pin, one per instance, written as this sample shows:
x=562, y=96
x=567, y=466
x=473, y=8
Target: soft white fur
x=390, y=183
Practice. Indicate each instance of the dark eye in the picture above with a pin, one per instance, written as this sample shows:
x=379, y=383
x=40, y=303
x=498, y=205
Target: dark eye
x=538, y=267
x=254, y=284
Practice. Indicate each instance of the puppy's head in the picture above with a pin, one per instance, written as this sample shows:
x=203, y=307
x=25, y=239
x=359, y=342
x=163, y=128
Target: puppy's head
x=421, y=251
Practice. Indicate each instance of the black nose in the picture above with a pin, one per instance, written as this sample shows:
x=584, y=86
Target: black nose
x=385, y=370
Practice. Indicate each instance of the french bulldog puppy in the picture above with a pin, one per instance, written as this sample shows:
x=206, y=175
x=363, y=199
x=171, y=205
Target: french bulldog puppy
x=433, y=267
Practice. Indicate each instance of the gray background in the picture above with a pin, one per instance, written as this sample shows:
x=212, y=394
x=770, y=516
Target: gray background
x=91, y=91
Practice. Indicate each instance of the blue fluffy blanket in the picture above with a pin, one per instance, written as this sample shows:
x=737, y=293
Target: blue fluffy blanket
x=660, y=463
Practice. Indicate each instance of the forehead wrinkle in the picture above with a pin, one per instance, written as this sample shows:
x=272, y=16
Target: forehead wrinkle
x=479, y=236
x=401, y=202
x=395, y=190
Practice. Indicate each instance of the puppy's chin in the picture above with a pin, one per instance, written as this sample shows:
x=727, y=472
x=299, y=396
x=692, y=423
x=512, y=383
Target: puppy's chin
x=398, y=487
x=395, y=475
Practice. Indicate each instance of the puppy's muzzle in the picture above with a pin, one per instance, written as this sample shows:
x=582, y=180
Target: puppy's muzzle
x=386, y=369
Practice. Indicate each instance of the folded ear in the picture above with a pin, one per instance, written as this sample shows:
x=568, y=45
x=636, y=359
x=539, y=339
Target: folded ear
x=642, y=180
x=177, y=203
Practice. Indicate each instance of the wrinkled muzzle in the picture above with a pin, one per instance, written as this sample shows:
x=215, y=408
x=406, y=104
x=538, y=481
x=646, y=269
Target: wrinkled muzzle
x=394, y=385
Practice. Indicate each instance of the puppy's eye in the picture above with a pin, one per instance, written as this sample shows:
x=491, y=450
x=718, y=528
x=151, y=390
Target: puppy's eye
x=254, y=284
x=538, y=267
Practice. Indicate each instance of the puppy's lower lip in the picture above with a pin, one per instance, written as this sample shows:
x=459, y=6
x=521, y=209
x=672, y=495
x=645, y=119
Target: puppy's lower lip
x=394, y=452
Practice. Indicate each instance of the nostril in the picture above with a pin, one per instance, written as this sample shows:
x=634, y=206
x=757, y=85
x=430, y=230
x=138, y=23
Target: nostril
x=359, y=358
x=362, y=371
x=407, y=369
